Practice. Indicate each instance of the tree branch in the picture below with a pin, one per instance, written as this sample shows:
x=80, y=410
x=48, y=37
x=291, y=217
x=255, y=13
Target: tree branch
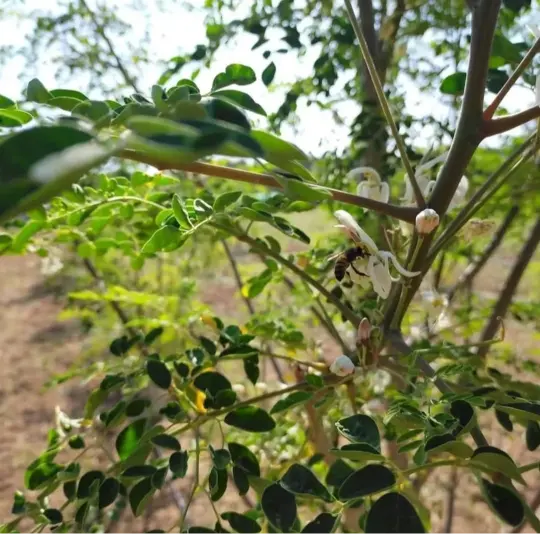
x=476, y=266
x=510, y=287
x=508, y=122
x=464, y=144
x=490, y=110
x=402, y=213
x=101, y=31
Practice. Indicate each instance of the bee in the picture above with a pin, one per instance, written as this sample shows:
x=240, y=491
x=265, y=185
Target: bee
x=346, y=259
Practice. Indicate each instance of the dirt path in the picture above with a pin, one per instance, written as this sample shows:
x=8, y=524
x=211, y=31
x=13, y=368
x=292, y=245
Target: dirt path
x=33, y=346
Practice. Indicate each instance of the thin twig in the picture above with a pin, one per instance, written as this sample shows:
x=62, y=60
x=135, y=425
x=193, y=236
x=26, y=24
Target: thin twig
x=509, y=122
x=101, y=31
x=510, y=287
x=403, y=213
x=529, y=56
x=383, y=102
x=450, y=500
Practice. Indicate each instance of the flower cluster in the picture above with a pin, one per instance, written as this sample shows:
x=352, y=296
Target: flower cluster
x=374, y=268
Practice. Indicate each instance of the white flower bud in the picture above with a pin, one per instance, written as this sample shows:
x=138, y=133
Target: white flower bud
x=426, y=221
x=240, y=389
x=261, y=387
x=364, y=331
x=342, y=366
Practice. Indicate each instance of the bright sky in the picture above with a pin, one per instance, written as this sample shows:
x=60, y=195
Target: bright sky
x=178, y=30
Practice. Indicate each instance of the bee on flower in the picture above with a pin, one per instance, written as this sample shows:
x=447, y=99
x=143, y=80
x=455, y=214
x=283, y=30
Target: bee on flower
x=365, y=264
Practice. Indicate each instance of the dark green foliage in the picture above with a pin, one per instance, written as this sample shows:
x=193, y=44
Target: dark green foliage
x=241, y=522
x=279, y=507
x=301, y=480
x=393, y=513
x=360, y=429
x=504, y=502
x=532, y=435
x=108, y=491
x=129, y=439
x=251, y=419
x=322, y=523
x=159, y=373
x=178, y=463
x=371, y=479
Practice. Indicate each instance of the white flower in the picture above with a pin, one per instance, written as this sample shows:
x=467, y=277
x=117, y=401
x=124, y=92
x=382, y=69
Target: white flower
x=535, y=30
x=380, y=380
x=261, y=387
x=436, y=306
x=371, y=185
x=426, y=185
x=240, y=389
x=64, y=424
x=342, y=366
x=50, y=265
x=426, y=221
x=374, y=268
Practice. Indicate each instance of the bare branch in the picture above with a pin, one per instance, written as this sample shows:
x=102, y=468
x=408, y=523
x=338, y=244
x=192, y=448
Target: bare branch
x=490, y=110
x=402, y=213
x=510, y=287
x=508, y=122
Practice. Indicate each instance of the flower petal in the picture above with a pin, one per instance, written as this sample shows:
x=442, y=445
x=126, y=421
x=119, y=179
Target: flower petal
x=365, y=173
x=380, y=276
x=385, y=193
x=397, y=265
x=348, y=221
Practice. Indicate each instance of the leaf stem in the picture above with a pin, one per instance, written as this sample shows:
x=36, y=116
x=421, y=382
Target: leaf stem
x=403, y=213
x=432, y=465
x=383, y=102
x=195, y=481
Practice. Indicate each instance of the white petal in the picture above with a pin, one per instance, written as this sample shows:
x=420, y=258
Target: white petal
x=397, y=265
x=385, y=193
x=342, y=366
x=430, y=163
x=348, y=221
x=365, y=173
x=460, y=194
x=538, y=89
x=380, y=277
x=428, y=189
x=535, y=30
x=362, y=189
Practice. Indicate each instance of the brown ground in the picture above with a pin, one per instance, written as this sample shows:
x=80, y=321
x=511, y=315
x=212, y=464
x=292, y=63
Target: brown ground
x=34, y=345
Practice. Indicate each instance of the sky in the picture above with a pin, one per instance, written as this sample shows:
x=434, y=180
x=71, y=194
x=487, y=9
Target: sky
x=180, y=28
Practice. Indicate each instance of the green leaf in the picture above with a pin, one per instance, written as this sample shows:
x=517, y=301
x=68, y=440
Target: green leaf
x=53, y=515
x=504, y=502
x=268, y=73
x=244, y=458
x=393, y=513
x=293, y=399
x=337, y=474
x=220, y=457
x=241, y=522
x=446, y=443
x=166, y=239
x=301, y=480
x=324, y=522
x=166, y=441
x=360, y=429
x=14, y=117
x=366, y=481
x=70, y=489
x=158, y=478
x=108, y=491
x=39, y=475
x=224, y=200
x=76, y=442
x=212, y=382
x=19, y=502
x=358, y=452
x=95, y=110
x=279, y=507
x=36, y=92
x=241, y=480
x=217, y=483
x=139, y=495
x=70, y=93
x=234, y=74
x=454, y=84
x=464, y=413
x=277, y=149
x=532, y=435
x=180, y=213
x=64, y=102
x=24, y=235
x=302, y=191
x=178, y=463
x=6, y=102
x=139, y=471
x=222, y=110
x=86, y=483
x=523, y=410
x=240, y=99
x=251, y=419
x=496, y=460
x=128, y=440
x=159, y=373
x=148, y=126
x=95, y=399
x=496, y=79
x=504, y=420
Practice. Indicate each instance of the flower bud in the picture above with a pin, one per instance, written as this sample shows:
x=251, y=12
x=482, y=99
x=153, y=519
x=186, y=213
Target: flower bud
x=342, y=366
x=426, y=221
x=364, y=332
